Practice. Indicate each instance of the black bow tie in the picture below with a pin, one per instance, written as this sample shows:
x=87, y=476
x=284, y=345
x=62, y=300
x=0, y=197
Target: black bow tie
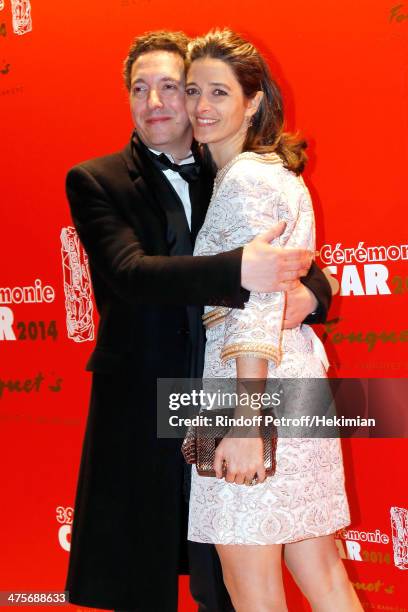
x=189, y=172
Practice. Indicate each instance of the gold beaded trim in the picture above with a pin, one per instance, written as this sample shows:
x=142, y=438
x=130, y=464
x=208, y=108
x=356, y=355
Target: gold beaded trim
x=215, y=316
x=251, y=349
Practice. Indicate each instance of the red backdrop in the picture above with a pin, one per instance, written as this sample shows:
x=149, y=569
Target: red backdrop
x=343, y=69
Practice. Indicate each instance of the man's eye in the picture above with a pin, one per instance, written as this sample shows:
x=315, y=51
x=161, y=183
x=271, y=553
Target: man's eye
x=170, y=86
x=138, y=90
x=219, y=92
x=192, y=91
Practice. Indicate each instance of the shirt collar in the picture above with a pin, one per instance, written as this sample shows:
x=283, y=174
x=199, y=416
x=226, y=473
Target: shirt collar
x=189, y=159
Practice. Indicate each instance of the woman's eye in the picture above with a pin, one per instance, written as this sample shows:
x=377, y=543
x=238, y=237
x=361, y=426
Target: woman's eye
x=170, y=86
x=191, y=91
x=219, y=92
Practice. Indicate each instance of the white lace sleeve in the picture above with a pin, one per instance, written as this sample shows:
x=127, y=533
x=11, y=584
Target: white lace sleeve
x=255, y=205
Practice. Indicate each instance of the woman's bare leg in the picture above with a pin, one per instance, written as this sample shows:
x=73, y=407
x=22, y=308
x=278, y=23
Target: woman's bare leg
x=253, y=576
x=319, y=572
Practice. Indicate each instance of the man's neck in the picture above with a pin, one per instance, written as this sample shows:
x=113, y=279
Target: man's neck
x=178, y=157
x=177, y=151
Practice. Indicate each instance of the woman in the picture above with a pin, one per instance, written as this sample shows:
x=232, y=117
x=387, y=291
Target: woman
x=236, y=112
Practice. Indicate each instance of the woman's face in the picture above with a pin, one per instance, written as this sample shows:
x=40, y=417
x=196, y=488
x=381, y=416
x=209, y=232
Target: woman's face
x=216, y=105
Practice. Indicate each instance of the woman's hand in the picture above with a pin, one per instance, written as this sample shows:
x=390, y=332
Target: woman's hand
x=241, y=458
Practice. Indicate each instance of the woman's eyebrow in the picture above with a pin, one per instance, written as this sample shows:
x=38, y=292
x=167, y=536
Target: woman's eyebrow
x=220, y=85
x=213, y=84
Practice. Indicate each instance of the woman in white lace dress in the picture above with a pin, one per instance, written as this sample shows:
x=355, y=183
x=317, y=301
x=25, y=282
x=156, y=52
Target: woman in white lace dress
x=236, y=111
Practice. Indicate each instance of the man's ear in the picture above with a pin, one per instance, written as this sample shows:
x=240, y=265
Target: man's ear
x=253, y=103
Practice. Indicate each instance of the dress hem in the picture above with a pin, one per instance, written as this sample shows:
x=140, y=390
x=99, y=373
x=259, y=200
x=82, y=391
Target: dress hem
x=331, y=531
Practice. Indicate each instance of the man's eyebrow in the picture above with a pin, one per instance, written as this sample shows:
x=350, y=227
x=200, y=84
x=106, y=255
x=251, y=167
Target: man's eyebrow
x=162, y=80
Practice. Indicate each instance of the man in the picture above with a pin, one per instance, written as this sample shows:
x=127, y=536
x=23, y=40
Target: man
x=137, y=215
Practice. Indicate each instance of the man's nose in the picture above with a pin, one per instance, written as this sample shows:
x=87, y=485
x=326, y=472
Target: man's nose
x=154, y=100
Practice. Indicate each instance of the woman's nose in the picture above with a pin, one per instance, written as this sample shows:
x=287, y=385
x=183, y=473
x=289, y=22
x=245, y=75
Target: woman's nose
x=202, y=105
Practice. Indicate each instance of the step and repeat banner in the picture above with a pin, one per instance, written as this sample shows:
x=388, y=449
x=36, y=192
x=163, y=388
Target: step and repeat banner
x=343, y=68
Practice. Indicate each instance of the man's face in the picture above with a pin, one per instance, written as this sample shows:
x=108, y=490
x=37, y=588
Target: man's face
x=157, y=102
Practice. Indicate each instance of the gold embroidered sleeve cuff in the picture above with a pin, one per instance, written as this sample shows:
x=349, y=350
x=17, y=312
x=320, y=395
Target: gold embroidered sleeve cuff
x=251, y=349
x=215, y=316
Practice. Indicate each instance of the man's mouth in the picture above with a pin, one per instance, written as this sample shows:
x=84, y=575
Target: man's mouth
x=157, y=119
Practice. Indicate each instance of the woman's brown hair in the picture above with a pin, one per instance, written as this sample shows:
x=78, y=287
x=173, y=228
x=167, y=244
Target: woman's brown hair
x=265, y=133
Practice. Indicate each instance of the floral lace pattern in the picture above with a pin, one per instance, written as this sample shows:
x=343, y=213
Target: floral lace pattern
x=306, y=496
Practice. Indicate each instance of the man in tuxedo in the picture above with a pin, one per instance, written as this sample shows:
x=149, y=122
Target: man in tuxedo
x=137, y=213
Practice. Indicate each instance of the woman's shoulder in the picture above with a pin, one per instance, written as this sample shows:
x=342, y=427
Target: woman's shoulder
x=249, y=161
x=258, y=168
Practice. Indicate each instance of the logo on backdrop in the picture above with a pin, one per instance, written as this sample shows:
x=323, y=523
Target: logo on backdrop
x=32, y=384
x=64, y=517
x=399, y=526
x=361, y=273
x=333, y=330
x=21, y=24
x=37, y=293
x=77, y=287
x=355, y=545
x=352, y=541
x=21, y=15
x=398, y=14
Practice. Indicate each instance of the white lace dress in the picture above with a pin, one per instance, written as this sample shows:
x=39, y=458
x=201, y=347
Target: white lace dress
x=306, y=497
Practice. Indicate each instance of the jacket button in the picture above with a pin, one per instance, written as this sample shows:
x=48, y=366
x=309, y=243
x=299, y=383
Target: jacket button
x=183, y=332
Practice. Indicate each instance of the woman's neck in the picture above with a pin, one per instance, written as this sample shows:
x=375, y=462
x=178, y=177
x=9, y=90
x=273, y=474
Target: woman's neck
x=223, y=151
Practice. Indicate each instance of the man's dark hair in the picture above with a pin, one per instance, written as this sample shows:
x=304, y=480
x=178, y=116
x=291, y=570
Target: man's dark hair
x=160, y=40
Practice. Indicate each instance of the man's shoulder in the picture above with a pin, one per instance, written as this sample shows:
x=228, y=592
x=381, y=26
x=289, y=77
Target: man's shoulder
x=105, y=167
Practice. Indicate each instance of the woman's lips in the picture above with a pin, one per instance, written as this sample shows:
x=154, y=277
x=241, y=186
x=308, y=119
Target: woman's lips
x=205, y=122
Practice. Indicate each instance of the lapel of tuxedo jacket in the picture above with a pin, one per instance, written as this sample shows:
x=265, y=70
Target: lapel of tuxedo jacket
x=200, y=195
x=143, y=208
x=151, y=195
x=158, y=193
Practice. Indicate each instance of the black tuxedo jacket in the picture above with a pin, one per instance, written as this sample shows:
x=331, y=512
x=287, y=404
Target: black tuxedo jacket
x=129, y=520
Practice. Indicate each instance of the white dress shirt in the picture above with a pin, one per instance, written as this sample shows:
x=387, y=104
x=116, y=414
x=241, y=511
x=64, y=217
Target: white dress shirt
x=179, y=184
